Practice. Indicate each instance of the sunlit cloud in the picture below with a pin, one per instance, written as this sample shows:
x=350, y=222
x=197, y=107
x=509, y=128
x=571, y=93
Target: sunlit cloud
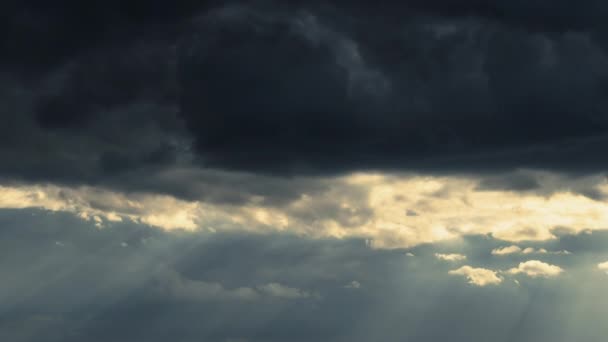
x=478, y=276
x=450, y=257
x=513, y=249
x=536, y=269
x=603, y=266
x=389, y=211
x=506, y=250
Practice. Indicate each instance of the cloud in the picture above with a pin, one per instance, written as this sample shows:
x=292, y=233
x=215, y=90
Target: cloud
x=353, y=285
x=368, y=206
x=536, y=269
x=175, y=285
x=528, y=250
x=603, y=266
x=507, y=250
x=478, y=276
x=282, y=291
x=357, y=103
x=350, y=137
x=450, y=257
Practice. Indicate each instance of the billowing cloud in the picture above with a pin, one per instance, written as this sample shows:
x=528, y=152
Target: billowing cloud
x=356, y=103
x=507, y=250
x=536, y=269
x=478, y=276
x=370, y=206
x=243, y=170
x=450, y=257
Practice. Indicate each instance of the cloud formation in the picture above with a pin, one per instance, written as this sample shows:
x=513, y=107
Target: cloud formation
x=335, y=91
x=507, y=250
x=369, y=206
x=536, y=269
x=478, y=276
x=450, y=257
x=266, y=171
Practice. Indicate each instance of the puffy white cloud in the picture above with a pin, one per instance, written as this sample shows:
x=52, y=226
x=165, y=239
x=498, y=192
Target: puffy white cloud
x=507, y=250
x=450, y=257
x=536, y=268
x=603, y=266
x=478, y=276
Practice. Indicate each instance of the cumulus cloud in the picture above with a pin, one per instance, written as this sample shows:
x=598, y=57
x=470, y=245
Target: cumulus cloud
x=507, y=250
x=478, y=276
x=450, y=257
x=536, y=269
x=603, y=266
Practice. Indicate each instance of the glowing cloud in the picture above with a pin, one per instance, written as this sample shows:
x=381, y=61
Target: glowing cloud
x=536, y=269
x=507, y=250
x=376, y=207
x=603, y=266
x=450, y=257
x=478, y=276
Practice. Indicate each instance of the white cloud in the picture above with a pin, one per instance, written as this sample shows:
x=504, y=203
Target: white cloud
x=409, y=254
x=603, y=266
x=507, y=250
x=535, y=269
x=529, y=250
x=478, y=276
x=353, y=285
x=450, y=257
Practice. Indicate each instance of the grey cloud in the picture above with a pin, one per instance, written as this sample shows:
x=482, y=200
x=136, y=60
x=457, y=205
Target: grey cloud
x=473, y=89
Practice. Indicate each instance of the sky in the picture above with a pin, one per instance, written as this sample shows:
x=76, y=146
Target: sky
x=270, y=171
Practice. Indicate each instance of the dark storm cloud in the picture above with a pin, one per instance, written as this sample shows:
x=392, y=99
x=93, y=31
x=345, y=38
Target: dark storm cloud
x=127, y=95
x=427, y=92
x=68, y=280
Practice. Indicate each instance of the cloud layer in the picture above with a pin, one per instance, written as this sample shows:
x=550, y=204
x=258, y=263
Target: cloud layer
x=71, y=281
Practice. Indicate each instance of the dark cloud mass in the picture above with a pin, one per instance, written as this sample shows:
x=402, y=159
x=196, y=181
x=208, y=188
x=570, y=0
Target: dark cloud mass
x=423, y=92
x=123, y=89
x=269, y=120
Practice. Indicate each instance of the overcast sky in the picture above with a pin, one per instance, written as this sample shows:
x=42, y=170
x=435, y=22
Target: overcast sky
x=232, y=171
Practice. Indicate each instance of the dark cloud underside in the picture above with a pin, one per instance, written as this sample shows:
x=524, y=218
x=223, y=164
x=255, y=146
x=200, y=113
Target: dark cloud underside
x=107, y=94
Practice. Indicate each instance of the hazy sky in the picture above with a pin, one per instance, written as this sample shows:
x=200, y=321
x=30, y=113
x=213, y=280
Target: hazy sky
x=260, y=171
